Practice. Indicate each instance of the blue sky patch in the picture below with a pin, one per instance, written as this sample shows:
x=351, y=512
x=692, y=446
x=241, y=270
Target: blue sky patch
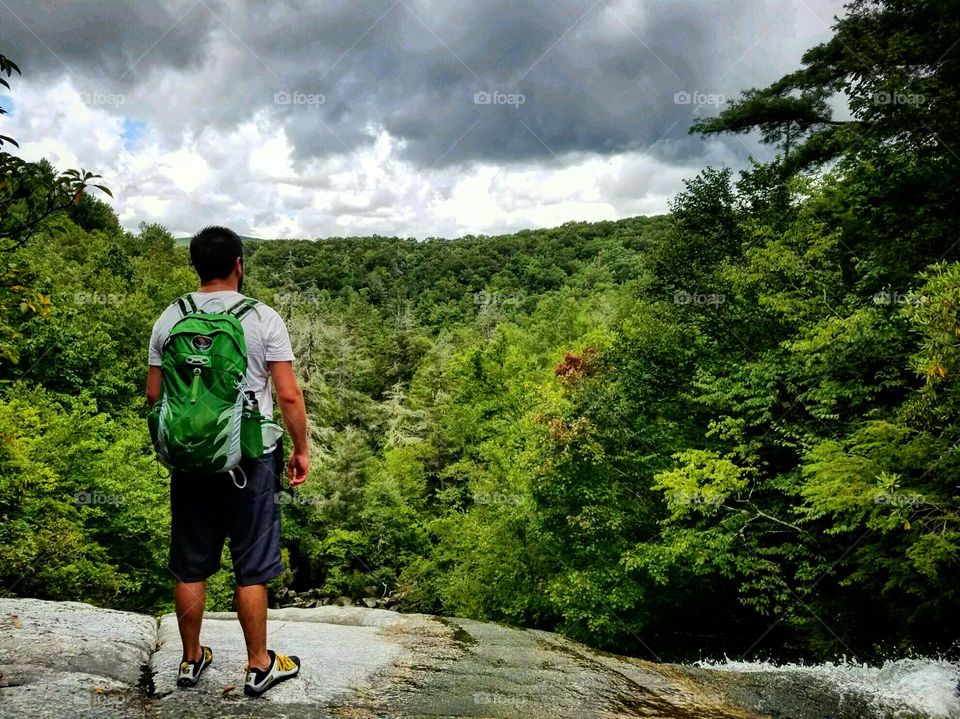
x=132, y=130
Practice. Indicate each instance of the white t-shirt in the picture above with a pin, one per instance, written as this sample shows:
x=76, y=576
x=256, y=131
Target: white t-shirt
x=263, y=329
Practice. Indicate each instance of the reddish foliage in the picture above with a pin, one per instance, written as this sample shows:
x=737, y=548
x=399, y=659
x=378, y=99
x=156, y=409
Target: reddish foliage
x=575, y=366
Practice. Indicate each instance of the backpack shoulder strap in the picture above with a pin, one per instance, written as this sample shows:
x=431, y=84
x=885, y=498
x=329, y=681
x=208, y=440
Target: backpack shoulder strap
x=241, y=308
x=186, y=304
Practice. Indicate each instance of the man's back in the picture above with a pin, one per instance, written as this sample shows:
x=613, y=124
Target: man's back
x=264, y=331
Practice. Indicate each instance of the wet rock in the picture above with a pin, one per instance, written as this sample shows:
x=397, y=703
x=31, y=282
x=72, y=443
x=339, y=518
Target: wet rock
x=74, y=660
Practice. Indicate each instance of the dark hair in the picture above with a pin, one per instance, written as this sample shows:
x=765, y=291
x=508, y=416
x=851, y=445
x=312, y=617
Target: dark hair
x=214, y=252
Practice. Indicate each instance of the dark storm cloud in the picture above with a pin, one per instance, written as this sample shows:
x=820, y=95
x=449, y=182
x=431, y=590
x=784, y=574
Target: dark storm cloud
x=105, y=41
x=558, y=77
x=497, y=80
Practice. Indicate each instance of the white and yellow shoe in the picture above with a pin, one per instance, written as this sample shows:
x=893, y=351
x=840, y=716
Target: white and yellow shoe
x=281, y=668
x=190, y=672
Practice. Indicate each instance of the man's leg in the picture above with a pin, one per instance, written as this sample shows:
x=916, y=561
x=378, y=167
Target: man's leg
x=190, y=599
x=255, y=549
x=252, y=613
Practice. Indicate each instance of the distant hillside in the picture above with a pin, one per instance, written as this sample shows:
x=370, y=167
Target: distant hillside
x=185, y=241
x=456, y=274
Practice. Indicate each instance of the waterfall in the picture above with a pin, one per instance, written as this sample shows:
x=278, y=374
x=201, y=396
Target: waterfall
x=896, y=690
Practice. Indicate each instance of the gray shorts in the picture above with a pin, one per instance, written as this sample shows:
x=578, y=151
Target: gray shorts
x=206, y=509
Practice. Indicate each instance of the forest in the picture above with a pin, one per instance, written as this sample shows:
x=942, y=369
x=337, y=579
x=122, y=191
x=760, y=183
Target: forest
x=728, y=430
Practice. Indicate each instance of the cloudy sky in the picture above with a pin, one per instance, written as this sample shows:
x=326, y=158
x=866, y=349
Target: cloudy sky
x=421, y=118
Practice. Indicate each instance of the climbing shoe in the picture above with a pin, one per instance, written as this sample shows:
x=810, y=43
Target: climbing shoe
x=190, y=672
x=281, y=668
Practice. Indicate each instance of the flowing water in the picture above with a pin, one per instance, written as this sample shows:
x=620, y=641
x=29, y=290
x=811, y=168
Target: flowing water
x=901, y=689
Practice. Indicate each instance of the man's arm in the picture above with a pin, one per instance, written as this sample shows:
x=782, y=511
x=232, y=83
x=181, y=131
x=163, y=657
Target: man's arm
x=294, y=416
x=154, y=380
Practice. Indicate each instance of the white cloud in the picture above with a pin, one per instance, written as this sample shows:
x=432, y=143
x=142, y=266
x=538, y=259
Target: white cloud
x=246, y=177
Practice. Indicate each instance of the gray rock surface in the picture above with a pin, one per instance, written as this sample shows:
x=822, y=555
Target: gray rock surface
x=74, y=660
x=63, y=659
x=341, y=649
x=66, y=659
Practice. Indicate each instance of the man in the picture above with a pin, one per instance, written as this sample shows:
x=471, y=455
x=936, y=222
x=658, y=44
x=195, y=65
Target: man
x=207, y=509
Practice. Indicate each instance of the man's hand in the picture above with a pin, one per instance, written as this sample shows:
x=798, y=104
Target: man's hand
x=295, y=417
x=297, y=468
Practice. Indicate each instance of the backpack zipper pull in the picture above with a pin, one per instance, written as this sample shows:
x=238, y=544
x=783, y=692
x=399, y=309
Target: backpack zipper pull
x=195, y=385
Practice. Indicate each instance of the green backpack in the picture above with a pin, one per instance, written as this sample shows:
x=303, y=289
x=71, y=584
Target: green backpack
x=203, y=422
